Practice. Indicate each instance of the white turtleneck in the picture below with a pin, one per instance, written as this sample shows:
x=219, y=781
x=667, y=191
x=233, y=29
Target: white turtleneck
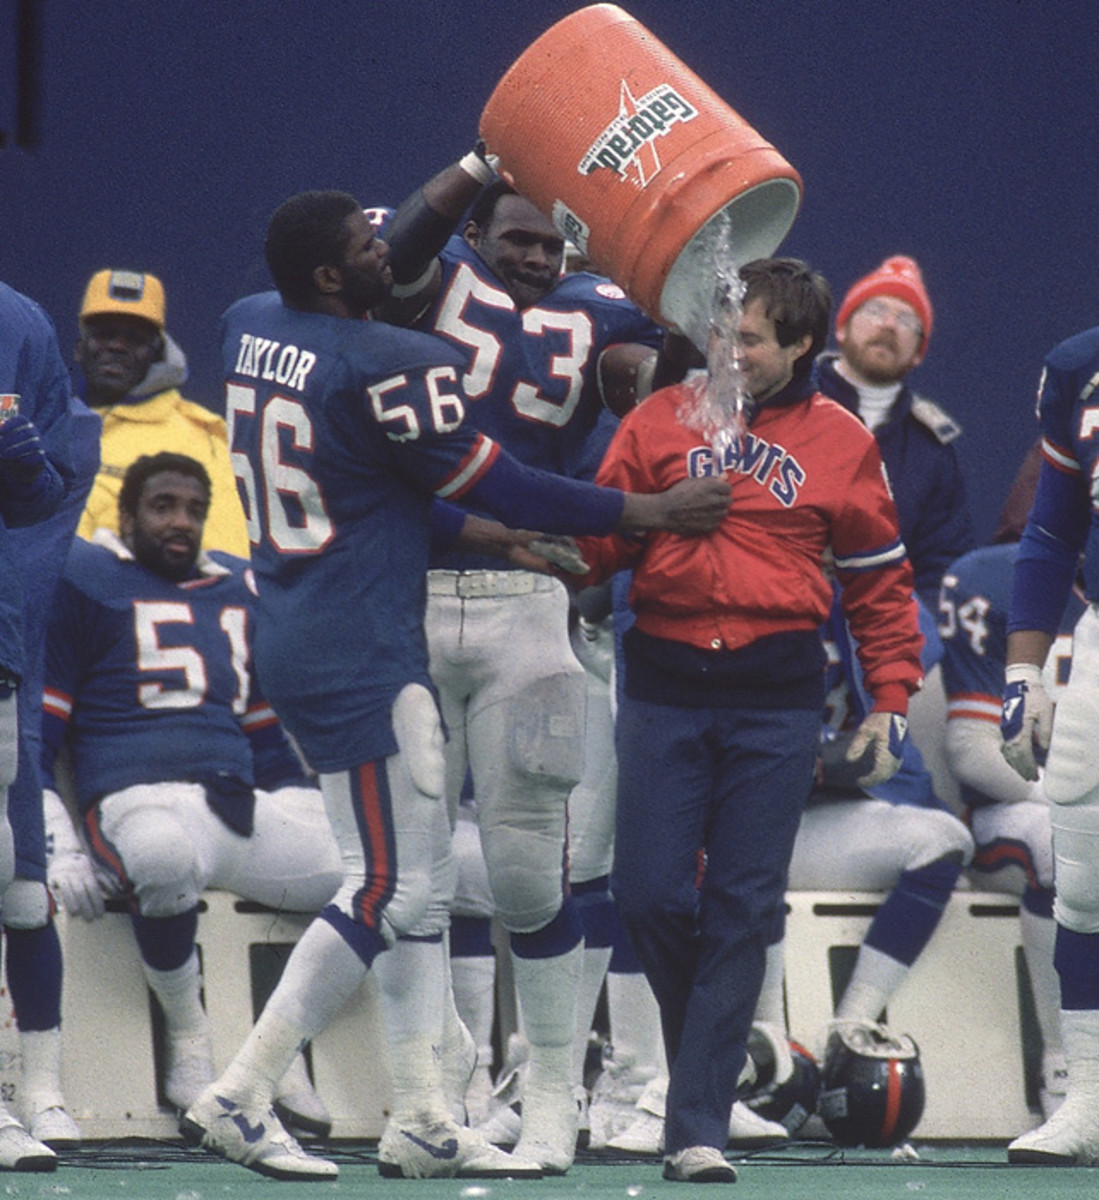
x=875, y=400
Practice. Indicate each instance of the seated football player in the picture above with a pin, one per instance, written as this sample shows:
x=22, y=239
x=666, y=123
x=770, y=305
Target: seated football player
x=183, y=779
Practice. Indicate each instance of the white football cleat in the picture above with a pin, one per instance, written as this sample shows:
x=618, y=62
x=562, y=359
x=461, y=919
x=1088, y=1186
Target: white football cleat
x=699, y=1164
x=614, y=1098
x=432, y=1148
x=551, y=1121
x=21, y=1152
x=188, y=1070
x=1069, y=1138
x=255, y=1138
x=749, y=1131
x=54, y=1127
x=645, y=1134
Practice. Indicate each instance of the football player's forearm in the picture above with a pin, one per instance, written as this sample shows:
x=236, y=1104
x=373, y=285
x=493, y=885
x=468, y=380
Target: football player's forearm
x=419, y=229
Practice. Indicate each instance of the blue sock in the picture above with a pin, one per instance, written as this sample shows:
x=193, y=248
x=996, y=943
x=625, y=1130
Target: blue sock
x=557, y=938
x=166, y=942
x=912, y=910
x=34, y=976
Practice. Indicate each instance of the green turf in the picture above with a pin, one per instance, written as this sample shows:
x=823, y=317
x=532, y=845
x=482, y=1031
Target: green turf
x=804, y=1171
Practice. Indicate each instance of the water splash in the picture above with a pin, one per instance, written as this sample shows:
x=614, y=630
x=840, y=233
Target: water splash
x=719, y=405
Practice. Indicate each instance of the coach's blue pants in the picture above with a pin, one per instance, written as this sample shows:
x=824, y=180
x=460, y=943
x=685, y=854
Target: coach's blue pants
x=709, y=801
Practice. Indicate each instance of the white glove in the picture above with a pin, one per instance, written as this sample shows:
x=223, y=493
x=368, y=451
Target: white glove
x=70, y=872
x=1026, y=720
x=879, y=741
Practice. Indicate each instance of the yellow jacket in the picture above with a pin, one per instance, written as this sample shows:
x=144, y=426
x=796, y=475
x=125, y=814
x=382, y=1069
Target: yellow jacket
x=166, y=421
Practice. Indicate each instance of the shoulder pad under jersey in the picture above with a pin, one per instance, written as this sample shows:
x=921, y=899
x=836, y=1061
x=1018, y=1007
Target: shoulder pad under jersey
x=937, y=419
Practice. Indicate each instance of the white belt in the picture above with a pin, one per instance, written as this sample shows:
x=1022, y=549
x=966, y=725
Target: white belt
x=468, y=585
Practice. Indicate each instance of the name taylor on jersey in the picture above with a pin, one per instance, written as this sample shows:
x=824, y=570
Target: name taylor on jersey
x=263, y=358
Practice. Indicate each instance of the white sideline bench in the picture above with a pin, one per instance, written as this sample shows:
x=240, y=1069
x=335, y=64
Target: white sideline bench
x=961, y=1004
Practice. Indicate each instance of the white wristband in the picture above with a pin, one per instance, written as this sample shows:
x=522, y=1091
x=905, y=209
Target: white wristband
x=476, y=167
x=1023, y=672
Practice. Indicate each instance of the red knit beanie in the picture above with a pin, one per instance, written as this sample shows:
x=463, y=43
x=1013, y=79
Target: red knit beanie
x=898, y=276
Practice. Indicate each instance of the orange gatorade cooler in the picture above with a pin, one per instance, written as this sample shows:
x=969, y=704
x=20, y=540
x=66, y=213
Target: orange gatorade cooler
x=638, y=162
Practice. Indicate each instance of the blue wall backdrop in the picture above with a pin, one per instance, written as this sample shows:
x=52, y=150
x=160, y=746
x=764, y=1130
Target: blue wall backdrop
x=964, y=134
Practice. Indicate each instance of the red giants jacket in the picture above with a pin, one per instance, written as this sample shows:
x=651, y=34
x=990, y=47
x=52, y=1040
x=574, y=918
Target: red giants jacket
x=808, y=488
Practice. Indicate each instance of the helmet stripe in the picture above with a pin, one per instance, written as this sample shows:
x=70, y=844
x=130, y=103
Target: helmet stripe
x=892, y=1101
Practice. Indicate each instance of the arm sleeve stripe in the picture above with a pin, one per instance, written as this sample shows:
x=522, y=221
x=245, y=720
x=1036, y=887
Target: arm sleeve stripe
x=259, y=717
x=872, y=560
x=470, y=470
x=1061, y=459
x=57, y=704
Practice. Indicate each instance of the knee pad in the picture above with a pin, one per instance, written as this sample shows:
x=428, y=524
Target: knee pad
x=930, y=834
x=527, y=874
x=546, y=730
x=161, y=866
x=419, y=733
x=1076, y=858
x=25, y=904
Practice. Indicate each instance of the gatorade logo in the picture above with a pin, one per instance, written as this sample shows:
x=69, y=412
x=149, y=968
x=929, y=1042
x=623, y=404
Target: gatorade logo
x=631, y=138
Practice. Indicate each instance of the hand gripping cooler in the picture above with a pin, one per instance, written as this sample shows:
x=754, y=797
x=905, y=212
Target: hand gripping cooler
x=638, y=162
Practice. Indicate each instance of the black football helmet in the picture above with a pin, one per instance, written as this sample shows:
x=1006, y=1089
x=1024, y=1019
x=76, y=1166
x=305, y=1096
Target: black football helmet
x=872, y=1085
x=786, y=1082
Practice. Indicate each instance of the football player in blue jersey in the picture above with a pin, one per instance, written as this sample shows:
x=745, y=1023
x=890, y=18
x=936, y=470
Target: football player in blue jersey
x=1063, y=525
x=543, y=355
x=35, y=471
x=346, y=433
x=183, y=777
x=1008, y=815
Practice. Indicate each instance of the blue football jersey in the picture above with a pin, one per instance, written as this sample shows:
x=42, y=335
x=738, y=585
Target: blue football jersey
x=973, y=609
x=151, y=680
x=1064, y=519
x=341, y=433
x=530, y=373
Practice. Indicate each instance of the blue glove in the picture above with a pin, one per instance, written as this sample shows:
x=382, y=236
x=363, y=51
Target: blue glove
x=21, y=453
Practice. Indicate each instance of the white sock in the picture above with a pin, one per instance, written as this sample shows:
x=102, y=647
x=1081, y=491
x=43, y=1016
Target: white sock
x=594, y=965
x=254, y=1075
x=321, y=975
x=547, y=989
x=412, y=980
x=636, y=1035
x=771, y=1007
x=1038, y=936
x=412, y=976
x=474, y=982
x=179, y=993
x=41, y=1053
x=873, y=984
x=1080, y=1028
